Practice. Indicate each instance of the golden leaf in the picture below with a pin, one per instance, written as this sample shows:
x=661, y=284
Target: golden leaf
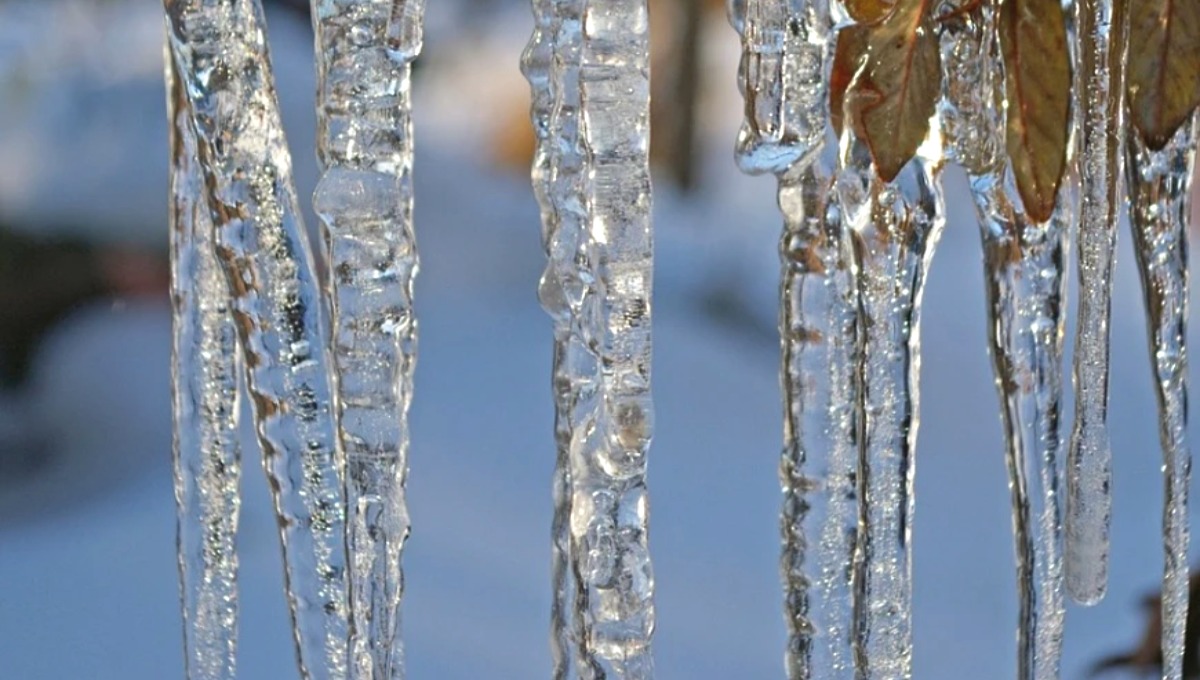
x=869, y=11
x=1037, y=84
x=848, y=56
x=895, y=92
x=1163, y=72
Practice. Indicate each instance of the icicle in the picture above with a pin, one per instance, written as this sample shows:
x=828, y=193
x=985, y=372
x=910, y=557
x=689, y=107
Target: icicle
x=782, y=80
x=1160, y=186
x=551, y=65
x=818, y=331
x=204, y=383
x=1023, y=263
x=613, y=427
x=364, y=199
x=784, y=68
x=1101, y=31
x=896, y=227
x=219, y=49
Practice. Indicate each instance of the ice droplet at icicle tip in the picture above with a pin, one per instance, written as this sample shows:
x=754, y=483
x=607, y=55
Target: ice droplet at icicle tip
x=1101, y=35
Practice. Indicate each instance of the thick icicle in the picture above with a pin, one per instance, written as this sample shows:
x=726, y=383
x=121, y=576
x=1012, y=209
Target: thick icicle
x=551, y=65
x=818, y=326
x=1160, y=188
x=204, y=381
x=612, y=427
x=1024, y=278
x=896, y=226
x=220, y=51
x=785, y=57
x=1102, y=30
x=364, y=199
x=782, y=79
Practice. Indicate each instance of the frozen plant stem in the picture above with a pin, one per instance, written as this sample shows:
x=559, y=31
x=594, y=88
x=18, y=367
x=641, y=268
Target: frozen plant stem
x=819, y=339
x=785, y=62
x=219, y=50
x=782, y=79
x=1160, y=189
x=364, y=198
x=204, y=380
x=896, y=227
x=1102, y=31
x=1024, y=280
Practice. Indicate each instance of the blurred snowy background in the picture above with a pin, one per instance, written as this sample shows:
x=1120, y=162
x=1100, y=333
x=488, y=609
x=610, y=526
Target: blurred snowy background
x=87, y=563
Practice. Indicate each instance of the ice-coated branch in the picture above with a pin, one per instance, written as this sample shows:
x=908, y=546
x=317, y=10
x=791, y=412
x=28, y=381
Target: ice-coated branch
x=364, y=198
x=782, y=77
x=1024, y=279
x=819, y=339
x=786, y=50
x=204, y=381
x=896, y=226
x=1160, y=189
x=1102, y=30
x=219, y=50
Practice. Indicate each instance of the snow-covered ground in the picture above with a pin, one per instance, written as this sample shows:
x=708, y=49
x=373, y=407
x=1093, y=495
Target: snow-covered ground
x=87, y=572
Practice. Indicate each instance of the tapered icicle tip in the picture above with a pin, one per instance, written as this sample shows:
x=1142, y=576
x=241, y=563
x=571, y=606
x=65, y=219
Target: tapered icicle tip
x=1089, y=509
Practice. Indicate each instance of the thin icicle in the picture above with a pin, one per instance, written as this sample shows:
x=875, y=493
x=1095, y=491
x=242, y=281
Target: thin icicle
x=365, y=201
x=1024, y=278
x=818, y=331
x=204, y=383
x=1102, y=29
x=782, y=78
x=785, y=57
x=1160, y=189
x=220, y=51
x=550, y=64
x=614, y=421
x=896, y=226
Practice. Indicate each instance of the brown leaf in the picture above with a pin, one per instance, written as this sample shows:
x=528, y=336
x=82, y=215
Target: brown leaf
x=869, y=11
x=1037, y=84
x=847, y=58
x=1163, y=76
x=896, y=90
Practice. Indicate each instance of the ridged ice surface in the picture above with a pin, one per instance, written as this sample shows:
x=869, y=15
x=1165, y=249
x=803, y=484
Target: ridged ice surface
x=1101, y=36
x=588, y=65
x=551, y=65
x=784, y=69
x=819, y=338
x=220, y=51
x=782, y=78
x=1024, y=278
x=1160, y=189
x=365, y=201
x=204, y=380
x=895, y=227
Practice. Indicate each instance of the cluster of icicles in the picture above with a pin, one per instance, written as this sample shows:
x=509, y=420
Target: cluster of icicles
x=329, y=368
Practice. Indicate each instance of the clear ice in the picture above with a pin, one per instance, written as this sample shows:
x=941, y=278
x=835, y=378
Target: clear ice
x=1159, y=188
x=1024, y=274
x=365, y=201
x=1101, y=31
x=588, y=66
x=204, y=382
x=786, y=50
x=219, y=50
x=896, y=226
x=551, y=65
